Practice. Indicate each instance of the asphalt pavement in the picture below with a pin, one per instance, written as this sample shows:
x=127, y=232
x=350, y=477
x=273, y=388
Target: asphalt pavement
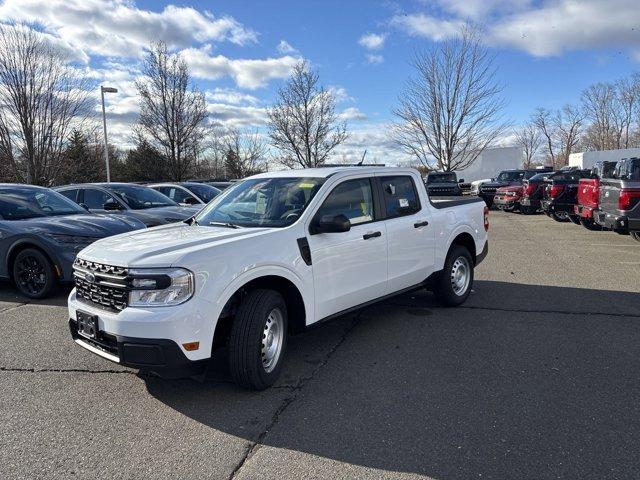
x=536, y=376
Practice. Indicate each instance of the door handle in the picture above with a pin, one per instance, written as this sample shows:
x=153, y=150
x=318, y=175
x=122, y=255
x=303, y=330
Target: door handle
x=367, y=236
x=420, y=224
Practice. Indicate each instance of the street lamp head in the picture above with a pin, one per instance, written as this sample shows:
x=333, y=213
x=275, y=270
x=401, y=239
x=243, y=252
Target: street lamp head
x=108, y=90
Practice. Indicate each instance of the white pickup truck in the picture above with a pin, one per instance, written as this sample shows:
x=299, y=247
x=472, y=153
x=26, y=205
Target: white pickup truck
x=274, y=253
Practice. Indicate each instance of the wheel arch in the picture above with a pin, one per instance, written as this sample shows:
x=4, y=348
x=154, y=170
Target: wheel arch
x=23, y=244
x=281, y=280
x=466, y=240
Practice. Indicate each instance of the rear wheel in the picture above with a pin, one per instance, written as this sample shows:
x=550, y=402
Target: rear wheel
x=560, y=216
x=590, y=224
x=453, y=285
x=258, y=339
x=575, y=219
x=33, y=273
x=527, y=210
x=635, y=236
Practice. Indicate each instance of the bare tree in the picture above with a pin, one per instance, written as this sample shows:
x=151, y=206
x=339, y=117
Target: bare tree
x=245, y=153
x=172, y=110
x=303, y=124
x=451, y=111
x=530, y=139
x=561, y=131
x=41, y=100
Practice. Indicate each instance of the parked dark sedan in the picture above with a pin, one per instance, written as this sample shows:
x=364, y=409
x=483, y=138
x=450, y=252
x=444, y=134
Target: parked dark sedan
x=41, y=232
x=187, y=193
x=138, y=201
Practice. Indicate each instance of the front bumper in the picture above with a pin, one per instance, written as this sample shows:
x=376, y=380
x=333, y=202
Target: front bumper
x=150, y=338
x=504, y=201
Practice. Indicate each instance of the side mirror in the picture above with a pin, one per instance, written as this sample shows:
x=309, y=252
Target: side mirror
x=111, y=205
x=191, y=201
x=461, y=180
x=329, y=224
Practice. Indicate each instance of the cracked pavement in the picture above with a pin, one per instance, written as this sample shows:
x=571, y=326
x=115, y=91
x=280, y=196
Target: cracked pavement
x=536, y=376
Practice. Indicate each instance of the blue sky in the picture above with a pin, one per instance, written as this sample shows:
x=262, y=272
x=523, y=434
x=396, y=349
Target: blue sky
x=240, y=51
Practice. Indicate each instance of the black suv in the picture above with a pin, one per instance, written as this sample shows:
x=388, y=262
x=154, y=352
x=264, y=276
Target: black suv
x=443, y=184
x=620, y=199
x=504, y=179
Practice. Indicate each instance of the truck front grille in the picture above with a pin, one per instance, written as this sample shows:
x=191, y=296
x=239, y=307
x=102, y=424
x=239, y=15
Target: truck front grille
x=104, y=286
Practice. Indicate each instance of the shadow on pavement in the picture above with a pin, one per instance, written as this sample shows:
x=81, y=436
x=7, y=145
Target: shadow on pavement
x=10, y=295
x=487, y=390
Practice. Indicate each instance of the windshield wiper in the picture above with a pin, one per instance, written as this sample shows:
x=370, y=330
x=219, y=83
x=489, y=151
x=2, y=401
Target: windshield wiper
x=224, y=224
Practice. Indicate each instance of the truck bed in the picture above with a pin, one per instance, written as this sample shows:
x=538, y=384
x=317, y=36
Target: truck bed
x=446, y=202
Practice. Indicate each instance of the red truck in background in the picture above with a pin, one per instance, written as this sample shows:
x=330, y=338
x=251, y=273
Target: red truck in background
x=589, y=194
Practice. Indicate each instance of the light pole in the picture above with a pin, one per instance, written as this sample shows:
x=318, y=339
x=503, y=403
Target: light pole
x=104, y=90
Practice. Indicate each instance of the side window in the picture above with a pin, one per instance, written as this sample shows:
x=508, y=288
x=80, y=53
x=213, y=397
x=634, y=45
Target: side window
x=352, y=198
x=95, y=199
x=71, y=194
x=400, y=196
x=178, y=195
x=164, y=190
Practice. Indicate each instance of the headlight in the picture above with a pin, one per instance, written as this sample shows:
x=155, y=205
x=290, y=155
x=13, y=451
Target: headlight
x=72, y=239
x=159, y=287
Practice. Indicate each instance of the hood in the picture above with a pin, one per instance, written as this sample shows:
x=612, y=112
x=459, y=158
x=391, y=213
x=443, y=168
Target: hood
x=443, y=184
x=152, y=217
x=85, y=225
x=511, y=188
x=161, y=246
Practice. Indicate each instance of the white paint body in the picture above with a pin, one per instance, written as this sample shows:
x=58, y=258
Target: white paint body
x=346, y=270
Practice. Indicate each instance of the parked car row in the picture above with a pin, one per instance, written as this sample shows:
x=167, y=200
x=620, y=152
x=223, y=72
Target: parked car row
x=42, y=230
x=606, y=197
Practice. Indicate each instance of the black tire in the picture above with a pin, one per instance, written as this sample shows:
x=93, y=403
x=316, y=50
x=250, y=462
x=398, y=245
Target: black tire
x=33, y=273
x=575, y=219
x=561, y=219
x=635, y=236
x=443, y=287
x=246, y=341
x=590, y=224
x=527, y=210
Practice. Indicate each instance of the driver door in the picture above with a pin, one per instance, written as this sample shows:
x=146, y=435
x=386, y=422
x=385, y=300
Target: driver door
x=349, y=268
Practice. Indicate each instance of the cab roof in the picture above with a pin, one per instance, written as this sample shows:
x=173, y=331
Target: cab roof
x=326, y=172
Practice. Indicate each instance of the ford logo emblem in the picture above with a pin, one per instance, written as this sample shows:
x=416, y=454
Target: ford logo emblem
x=90, y=277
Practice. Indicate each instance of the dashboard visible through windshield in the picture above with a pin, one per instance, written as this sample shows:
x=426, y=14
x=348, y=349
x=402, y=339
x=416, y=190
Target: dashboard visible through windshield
x=261, y=202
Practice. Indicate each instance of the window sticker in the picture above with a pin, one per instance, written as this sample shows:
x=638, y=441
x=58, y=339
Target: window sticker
x=403, y=202
x=306, y=185
x=261, y=203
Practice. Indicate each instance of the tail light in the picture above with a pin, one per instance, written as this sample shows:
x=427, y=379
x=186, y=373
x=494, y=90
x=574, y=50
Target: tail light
x=628, y=199
x=486, y=219
x=528, y=190
x=555, y=190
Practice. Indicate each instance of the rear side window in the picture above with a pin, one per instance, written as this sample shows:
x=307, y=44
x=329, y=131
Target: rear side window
x=352, y=198
x=71, y=194
x=400, y=196
x=95, y=199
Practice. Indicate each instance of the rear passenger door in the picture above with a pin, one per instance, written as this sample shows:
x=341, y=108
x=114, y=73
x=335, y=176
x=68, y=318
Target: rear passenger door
x=410, y=233
x=349, y=268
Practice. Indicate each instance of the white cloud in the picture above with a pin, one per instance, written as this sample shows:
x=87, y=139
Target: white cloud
x=285, y=47
x=421, y=25
x=373, y=58
x=236, y=116
x=340, y=94
x=247, y=73
x=230, y=96
x=352, y=113
x=372, y=41
x=543, y=29
x=119, y=28
x=375, y=139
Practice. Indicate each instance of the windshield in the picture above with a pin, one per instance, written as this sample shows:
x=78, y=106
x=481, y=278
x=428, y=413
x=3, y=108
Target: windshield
x=139, y=198
x=20, y=203
x=510, y=176
x=262, y=202
x=441, y=178
x=205, y=192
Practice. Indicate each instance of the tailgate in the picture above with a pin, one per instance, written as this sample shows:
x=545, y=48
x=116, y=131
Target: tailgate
x=609, y=195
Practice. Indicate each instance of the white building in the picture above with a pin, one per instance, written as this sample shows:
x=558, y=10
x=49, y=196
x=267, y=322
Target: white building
x=491, y=162
x=587, y=159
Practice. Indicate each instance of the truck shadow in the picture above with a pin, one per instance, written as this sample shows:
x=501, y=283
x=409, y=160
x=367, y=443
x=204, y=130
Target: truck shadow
x=9, y=295
x=524, y=381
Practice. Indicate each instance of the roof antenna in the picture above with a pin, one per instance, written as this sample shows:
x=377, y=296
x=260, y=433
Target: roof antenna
x=362, y=161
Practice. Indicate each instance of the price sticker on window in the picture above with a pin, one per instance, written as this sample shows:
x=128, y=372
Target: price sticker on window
x=404, y=203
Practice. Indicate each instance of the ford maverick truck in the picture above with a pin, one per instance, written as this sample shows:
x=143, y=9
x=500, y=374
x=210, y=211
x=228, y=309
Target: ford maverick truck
x=274, y=253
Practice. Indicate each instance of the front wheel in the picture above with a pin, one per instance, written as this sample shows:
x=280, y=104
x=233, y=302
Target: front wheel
x=454, y=283
x=635, y=236
x=258, y=339
x=33, y=273
x=527, y=210
x=560, y=216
